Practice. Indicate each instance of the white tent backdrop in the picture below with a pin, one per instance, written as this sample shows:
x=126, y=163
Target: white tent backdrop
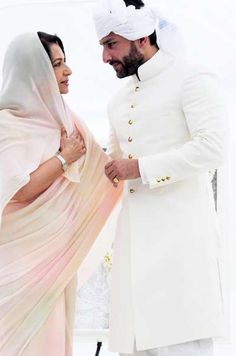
x=209, y=31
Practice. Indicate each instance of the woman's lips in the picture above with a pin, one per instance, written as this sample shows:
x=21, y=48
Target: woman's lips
x=65, y=82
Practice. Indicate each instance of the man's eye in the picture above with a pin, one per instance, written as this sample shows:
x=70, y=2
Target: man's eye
x=111, y=44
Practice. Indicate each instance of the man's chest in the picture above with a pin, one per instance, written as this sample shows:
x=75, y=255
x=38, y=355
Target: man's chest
x=149, y=115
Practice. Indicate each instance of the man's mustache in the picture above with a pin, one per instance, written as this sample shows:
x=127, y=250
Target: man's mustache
x=115, y=62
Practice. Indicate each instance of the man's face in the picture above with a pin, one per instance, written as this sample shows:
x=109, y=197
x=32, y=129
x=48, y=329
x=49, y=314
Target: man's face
x=122, y=54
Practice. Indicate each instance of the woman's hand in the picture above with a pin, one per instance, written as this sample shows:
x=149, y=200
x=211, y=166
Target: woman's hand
x=72, y=147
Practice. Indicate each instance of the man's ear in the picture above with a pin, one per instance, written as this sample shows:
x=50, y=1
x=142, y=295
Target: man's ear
x=142, y=42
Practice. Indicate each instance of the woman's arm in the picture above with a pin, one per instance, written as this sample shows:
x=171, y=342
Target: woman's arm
x=41, y=179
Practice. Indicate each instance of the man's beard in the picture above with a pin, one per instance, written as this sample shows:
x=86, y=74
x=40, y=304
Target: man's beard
x=130, y=63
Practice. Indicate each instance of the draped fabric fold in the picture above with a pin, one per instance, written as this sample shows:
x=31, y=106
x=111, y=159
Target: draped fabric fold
x=43, y=242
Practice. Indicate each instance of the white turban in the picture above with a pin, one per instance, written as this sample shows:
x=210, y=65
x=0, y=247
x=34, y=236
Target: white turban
x=126, y=21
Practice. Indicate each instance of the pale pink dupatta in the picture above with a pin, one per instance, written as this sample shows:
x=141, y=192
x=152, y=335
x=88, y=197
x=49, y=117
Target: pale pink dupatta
x=45, y=243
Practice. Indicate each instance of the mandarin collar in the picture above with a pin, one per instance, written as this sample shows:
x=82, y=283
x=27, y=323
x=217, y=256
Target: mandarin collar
x=153, y=66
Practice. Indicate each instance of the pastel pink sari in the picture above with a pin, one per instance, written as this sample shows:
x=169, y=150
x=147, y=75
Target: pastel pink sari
x=44, y=243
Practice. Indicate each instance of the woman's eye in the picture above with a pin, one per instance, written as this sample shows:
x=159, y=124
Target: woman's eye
x=57, y=64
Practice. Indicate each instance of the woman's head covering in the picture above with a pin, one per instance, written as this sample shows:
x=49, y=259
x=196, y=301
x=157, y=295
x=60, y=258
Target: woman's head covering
x=32, y=112
x=29, y=81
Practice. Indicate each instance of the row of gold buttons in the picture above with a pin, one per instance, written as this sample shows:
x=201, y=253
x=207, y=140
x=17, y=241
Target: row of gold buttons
x=130, y=139
x=130, y=122
x=162, y=179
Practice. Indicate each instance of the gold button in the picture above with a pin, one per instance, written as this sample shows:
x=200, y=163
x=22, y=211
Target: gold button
x=131, y=191
x=163, y=179
x=137, y=89
x=158, y=181
x=130, y=156
x=130, y=139
x=168, y=178
x=130, y=122
x=132, y=106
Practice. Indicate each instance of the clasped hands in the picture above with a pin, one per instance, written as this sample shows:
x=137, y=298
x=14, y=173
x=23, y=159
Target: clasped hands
x=122, y=169
x=72, y=147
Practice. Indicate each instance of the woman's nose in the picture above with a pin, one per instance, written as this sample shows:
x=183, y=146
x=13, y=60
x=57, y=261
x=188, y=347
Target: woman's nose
x=68, y=70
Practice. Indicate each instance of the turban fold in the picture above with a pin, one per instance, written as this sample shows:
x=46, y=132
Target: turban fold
x=133, y=24
x=126, y=21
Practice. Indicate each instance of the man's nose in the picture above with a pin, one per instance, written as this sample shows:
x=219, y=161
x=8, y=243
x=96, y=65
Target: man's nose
x=106, y=56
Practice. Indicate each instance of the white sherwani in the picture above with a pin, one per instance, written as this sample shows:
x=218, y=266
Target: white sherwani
x=166, y=282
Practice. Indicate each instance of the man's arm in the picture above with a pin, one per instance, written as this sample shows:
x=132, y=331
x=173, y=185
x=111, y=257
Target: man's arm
x=205, y=118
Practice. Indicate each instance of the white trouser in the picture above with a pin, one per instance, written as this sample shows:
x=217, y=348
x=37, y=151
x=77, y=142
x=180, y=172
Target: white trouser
x=195, y=348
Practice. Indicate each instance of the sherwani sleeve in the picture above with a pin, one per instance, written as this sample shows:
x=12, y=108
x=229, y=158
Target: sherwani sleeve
x=113, y=148
x=205, y=117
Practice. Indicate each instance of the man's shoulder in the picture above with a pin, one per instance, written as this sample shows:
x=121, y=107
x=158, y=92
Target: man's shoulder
x=187, y=68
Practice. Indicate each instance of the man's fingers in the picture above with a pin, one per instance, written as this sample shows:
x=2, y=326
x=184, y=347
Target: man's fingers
x=109, y=164
x=111, y=179
x=110, y=174
x=110, y=170
x=113, y=176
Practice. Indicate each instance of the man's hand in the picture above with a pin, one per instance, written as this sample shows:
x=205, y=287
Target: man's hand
x=122, y=169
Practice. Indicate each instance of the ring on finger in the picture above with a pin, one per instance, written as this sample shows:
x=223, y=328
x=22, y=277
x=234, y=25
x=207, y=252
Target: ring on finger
x=115, y=180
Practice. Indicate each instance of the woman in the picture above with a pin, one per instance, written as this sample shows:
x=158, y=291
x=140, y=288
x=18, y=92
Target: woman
x=54, y=199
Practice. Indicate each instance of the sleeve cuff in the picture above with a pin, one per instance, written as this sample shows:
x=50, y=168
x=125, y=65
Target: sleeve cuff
x=142, y=172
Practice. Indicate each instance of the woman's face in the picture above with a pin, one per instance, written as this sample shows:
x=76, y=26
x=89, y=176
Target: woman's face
x=62, y=71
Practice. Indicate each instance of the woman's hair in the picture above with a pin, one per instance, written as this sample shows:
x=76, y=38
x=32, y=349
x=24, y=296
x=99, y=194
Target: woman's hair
x=138, y=4
x=47, y=40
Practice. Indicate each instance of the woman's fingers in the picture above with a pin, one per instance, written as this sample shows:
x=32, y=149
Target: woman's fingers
x=73, y=150
x=76, y=135
x=63, y=138
x=73, y=146
x=63, y=132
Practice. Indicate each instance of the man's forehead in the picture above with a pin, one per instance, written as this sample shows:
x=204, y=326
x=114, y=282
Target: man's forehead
x=108, y=38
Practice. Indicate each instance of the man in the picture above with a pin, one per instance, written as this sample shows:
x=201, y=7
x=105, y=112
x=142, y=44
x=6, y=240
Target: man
x=167, y=132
